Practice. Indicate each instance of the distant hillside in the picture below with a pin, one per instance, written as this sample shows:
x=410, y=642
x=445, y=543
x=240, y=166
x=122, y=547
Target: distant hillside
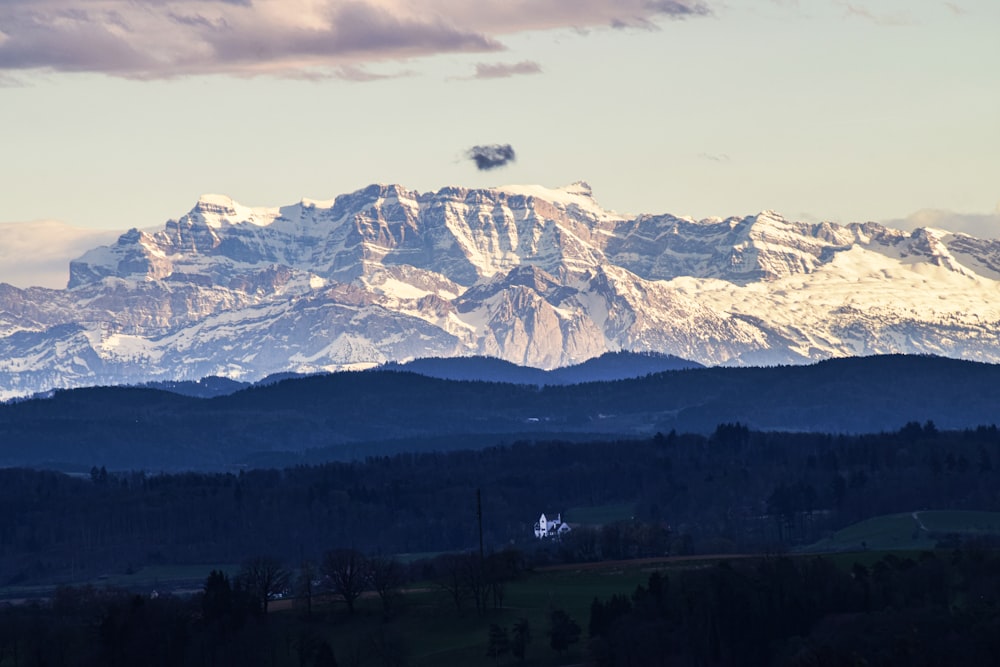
x=609, y=366
x=621, y=365
x=208, y=387
x=131, y=427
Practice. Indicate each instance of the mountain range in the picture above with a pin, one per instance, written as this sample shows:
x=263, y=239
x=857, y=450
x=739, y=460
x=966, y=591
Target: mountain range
x=535, y=276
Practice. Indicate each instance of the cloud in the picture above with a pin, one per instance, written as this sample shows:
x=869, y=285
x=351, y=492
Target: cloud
x=149, y=39
x=505, y=70
x=7, y=81
x=491, y=156
x=982, y=225
x=714, y=157
x=854, y=9
x=38, y=253
x=678, y=9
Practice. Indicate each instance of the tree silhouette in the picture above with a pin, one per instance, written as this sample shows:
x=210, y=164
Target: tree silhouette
x=264, y=577
x=563, y=631
x=324, y=656
x=346, y=574
x=386, y=575
x=499, y=642
x=520, y=638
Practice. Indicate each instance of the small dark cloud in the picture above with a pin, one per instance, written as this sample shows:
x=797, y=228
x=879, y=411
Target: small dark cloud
x=505, y=70
x=491, y=156
x=678, y=9
x=197, y=21
x=634, y=24
x=674, y=9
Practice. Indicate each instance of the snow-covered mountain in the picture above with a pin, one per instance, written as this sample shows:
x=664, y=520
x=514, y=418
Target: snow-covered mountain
x=537, y=276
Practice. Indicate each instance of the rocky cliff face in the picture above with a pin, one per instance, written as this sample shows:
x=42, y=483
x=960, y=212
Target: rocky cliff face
x=532, y=275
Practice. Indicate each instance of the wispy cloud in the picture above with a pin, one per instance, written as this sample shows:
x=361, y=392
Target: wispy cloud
x=982, y=225
x=863, y=11
x=956, y=9
x=38, y=253
x=7, y=81
x=170, y=38
x=714, y=157
x=505, y=70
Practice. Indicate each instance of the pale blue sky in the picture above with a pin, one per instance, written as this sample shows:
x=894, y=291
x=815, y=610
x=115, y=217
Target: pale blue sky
x=818, y=109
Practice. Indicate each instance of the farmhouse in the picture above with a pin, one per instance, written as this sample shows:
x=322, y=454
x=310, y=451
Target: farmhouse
x=550, y=527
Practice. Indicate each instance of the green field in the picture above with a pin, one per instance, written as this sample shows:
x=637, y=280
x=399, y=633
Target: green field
x=600, y=514
x=905, y=532
x=171, y=577
x=162, y=578
x=436, y=634
x=432, y=632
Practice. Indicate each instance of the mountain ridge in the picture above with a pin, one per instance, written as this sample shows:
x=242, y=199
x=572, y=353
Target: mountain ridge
x=361, y=414
x=536, y=276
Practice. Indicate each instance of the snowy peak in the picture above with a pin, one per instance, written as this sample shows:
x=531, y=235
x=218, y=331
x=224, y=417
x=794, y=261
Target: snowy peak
x=218, y=211
x=468, y=235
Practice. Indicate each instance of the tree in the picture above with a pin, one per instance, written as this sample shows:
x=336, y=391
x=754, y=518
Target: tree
x=388, y=645
x=520, y=638
x=324, y=656
x=449, y=573
x=563, y=630
x=304, y=586
x=500, y=568
x=217, y=596
x=264, y=577
x=386, y=575
x=224, y=604
x=499, y=642
x=346, y=574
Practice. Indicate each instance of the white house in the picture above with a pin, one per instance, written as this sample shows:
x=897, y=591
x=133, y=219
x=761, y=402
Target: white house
x=550, y=527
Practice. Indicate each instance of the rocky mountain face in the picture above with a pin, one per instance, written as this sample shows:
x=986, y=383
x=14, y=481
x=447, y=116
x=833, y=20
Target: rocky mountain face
x=535, y=276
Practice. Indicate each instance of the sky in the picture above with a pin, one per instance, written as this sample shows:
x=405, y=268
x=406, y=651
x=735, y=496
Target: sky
x=121, y=113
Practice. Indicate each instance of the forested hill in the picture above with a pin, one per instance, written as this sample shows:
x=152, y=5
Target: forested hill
x=341, y=413
x=610, y=366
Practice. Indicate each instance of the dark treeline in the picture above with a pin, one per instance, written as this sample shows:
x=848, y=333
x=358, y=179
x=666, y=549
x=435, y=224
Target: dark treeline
x=227, y=621
x=221, y=626
x=736, y=490
x=935, y=609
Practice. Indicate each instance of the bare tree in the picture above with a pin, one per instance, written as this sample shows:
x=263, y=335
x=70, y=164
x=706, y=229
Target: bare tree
x=264, y=577
x=474, y=573
x=304, y=588
x=346, y=574
x=501, y=568
x=386, y=576
x=449, y=571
